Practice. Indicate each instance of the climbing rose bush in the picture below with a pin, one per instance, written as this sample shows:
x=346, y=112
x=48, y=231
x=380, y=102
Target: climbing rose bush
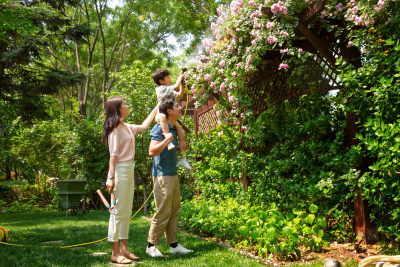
x=243, y=33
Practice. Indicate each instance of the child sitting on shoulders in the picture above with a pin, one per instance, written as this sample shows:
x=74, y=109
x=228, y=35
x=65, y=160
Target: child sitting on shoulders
x=164, y=89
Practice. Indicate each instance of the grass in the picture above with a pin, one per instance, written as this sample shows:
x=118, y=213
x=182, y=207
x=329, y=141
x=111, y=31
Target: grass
x=32, y=229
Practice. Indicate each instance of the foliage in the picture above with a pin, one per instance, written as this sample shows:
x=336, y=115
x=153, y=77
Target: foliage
x=373, y=94
x=18, y=196
x=23, y=75
x=63, y=149
x=267, y=228
x=243, y=34
x=306, y=158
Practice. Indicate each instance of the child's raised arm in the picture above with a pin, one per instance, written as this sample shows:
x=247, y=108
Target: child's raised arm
x=178, y=82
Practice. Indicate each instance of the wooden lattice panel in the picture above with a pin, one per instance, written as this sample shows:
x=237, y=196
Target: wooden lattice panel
x=208, y=120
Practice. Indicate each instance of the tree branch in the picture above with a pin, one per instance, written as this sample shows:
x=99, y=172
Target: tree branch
x=59, y=59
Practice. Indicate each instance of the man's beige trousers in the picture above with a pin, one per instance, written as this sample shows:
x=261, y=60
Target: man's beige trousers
x=167, y=196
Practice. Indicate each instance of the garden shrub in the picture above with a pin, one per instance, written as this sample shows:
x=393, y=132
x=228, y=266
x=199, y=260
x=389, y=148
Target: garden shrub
x=19, y=196
x=374, y=96
x=309, y=163
x=267, y=228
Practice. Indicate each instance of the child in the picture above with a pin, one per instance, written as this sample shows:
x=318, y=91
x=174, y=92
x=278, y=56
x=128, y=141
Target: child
x=164, y=89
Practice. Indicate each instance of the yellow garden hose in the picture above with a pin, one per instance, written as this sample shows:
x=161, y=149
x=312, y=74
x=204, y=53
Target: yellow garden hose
x=373, y=260
x=3, y=233
x=187, y=102
x=77, y=245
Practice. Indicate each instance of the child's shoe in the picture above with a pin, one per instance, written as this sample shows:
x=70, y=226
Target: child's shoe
x=184, y=163
x=171, y=146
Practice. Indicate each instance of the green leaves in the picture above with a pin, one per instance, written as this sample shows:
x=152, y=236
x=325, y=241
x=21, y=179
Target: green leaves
x=310, y=218
x=313, y=208
x=267, y=229
x=243, y=230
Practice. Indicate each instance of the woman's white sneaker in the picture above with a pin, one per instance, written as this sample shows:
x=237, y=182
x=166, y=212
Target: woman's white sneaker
x=153, y=252
x=179, y=249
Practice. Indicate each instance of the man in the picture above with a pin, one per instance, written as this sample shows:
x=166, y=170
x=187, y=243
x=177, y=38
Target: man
x=166, y=183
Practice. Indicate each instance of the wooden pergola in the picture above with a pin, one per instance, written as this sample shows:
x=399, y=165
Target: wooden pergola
x=325, y=47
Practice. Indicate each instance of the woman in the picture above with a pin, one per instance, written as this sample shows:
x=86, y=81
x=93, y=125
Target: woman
x=120, y=138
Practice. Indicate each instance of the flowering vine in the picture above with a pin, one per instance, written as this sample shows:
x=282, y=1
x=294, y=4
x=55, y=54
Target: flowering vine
x=243, y=33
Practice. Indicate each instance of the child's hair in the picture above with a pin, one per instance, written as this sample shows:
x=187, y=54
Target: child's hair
x=159, y=74
x=166, y=103
x=113, y=116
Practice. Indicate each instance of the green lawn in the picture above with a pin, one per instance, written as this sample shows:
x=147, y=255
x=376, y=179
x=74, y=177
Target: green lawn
x=34, y=228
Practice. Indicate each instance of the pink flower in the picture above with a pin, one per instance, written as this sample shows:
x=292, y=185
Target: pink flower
x=271, y=39
x=220, y=10
x=238, y=65
x=207, y=78
x=242, y=115
x=244, y=128
x=377, y=9
x=222, y=63
x=339, y=6
x=231, y=86
x=285, y=34
x=234, y=74
x=248, y=49
x=350, y=43
x=381, y=3
x=270, y=25
x=230, y=48
x=220, y=133
x=283, y=66
x=275, y=8
x=193, y=87
x=283, y=10
x=253, y=43
x=233, y=111
x=222, y=87
x=252, y=3
x=212, y=85
x=231, y=99
x=300, y=50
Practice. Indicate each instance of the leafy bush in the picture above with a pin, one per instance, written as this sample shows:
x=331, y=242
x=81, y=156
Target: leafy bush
x=267, y=228
x=374, y=96
x=309, y=163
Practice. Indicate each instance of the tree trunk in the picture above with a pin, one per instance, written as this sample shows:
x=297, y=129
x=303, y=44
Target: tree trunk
x=144, y=198
x=8, y=172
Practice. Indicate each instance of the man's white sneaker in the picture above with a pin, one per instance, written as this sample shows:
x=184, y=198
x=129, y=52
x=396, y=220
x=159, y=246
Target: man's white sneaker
x=179, y=250
x=171, y=146
x=153, y=252
x=184, y=163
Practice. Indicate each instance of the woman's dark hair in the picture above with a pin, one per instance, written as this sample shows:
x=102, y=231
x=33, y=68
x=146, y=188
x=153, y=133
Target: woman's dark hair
x=159, y=74
x=113, y=116
x=165, y=104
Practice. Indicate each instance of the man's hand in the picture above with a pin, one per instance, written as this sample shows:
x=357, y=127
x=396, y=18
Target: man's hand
x=168, y=136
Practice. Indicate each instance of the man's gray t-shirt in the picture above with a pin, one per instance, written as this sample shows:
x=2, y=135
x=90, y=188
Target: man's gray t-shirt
x=164, y=164
x=163, y=91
